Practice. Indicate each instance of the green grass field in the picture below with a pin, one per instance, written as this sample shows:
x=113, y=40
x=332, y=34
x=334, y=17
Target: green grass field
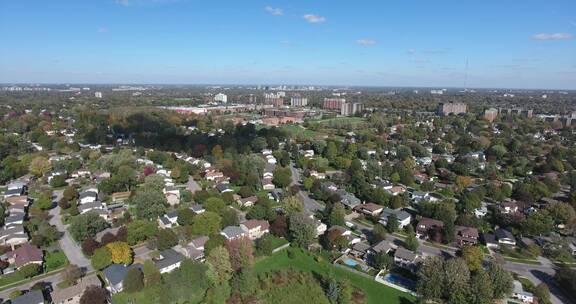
x=374, y=291
x=296, y=130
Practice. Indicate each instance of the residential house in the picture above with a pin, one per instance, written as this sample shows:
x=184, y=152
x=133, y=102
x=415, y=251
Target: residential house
x=118, y=197
x=92, y=206
x=402, y=216
x=168, y=260
x=352, y=238
x=505, y=237
x=466, y=235
x=369, y=209
x=267, y=184
x=320, y=227
x=248, y=201
x=31, y=297
x=13, y=236
x=72, y=294
x=173, y=198
x=14, y=220
x=223, y=188
x=509, y=206
x=520, y=294
x=397, y=190
x=87, y=197
x=429, y=227
x=348, y=199
x=317, y=175
x=255, y=229
x=16, y=209
x=168, y=220
x=114, y=276
x=197, y=209
x=195, y=249
x=233, y=232
x=25, y=255
x=405, y=258
x=490, y=240
x=213, y=175
x=360, y=250
x=14, y=192
x=21, y=200
x=382, y=247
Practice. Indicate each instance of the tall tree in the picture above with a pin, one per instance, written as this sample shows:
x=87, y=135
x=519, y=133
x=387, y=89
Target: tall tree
x=302, y=229
x=133, y=281
x=219, y=268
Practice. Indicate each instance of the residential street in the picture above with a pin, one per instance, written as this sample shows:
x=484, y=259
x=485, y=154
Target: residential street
x=310, y=204
x=67, y=243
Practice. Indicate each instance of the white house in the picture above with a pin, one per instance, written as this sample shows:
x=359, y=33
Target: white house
x=168, y=261
x=255, y=228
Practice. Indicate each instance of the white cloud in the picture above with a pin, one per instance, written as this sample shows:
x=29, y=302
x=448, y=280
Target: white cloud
x=103, y=30
x=311, y=18
x=274, y=11
x=366, y=42
x=553, y=36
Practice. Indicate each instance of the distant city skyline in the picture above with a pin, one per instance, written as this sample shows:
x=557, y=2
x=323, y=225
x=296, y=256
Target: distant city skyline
x=527, y=45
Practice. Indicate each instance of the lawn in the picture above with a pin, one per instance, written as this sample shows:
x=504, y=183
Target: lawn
x=55, y=260
x=303, y=261
x=296, y=130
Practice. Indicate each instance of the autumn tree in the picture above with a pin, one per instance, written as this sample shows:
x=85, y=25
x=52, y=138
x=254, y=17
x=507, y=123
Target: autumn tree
x=120, y=253
x=219, y=268
x=241, y=253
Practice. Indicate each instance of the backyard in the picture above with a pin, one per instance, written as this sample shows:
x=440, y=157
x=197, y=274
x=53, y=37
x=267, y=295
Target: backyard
x=303, y=261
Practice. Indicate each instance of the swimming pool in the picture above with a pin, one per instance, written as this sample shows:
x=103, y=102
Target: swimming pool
x=400, y=281
x=350, y=262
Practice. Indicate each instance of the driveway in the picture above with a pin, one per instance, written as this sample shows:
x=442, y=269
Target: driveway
x=67, y=243
x=192, y=185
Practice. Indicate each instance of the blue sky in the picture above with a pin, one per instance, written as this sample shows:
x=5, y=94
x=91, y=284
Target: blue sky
x=512, y=43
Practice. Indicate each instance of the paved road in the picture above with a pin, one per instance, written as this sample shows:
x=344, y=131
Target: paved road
x=50, y=280
x=67, y=244
x=310, y=204
x=192, y=185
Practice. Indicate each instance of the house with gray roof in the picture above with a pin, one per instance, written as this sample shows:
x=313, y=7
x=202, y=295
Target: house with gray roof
x=168, y=261
x=114, y=276
x=31, y=297
x=402, y=216
x=233, y=232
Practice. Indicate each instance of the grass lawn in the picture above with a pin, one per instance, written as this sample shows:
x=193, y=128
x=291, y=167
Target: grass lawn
x=278, y=241
x=297, y=130
x=350, y=120
x=303, y=261
x=55, y=260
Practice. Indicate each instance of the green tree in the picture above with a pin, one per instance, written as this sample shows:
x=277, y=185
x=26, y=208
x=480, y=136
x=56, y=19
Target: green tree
x=219, y=268
x=392, y=224
x=337, y=215
x=383, y=261
x=166, y=239
x=185, y=216
x=214, y=204
x=152, y=275
x=482, y=292
x=302, y=229
x=411, y=242
x=87, y=225
x=133, y=281
x=292, y=205
x=430, y=280
x=207, y=223
x=502, y=282
x=150, y=204
x=39, y=166
x=378, y=233
x=101, y=258
x=473, y=256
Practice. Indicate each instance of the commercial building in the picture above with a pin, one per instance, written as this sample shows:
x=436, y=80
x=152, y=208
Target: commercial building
x=490, y=114
x=220, y=97
x=453, y=108
x=333, y=103
x=351, y=108
x=298, y=101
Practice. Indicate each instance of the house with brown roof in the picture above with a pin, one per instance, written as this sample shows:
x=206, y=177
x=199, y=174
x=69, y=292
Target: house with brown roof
x=428, y=227
x=255, y=228
x=466, y=235
x=72, y=294
x=248, y=201
x=370, y=209
x=25, y=255
x=21, y=200
x=120, y=196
